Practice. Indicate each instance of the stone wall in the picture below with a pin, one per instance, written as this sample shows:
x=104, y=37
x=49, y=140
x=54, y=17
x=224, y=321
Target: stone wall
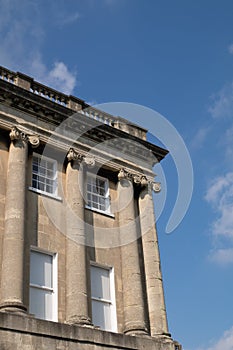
x=3, y=175
x=25, y=333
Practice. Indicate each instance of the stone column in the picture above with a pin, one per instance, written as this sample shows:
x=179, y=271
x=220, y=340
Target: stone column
x=77, y=297
x=12, y=281
x=153, y=275
x=134, y=305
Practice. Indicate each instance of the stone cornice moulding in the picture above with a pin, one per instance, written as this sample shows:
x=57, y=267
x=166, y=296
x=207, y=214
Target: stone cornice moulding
x=60, y=142
x=138, y=178
x=55, y=114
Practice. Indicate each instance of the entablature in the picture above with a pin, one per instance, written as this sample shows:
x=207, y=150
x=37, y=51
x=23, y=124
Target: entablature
x=48, y=113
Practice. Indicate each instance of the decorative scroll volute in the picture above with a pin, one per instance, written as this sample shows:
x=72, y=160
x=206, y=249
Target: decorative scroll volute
x=17, y=134
x=144, y=181
x=72, y=155
x=89, y=161
x=123, y=174
x=34, y=140
x=78, y=157
x=156, y=186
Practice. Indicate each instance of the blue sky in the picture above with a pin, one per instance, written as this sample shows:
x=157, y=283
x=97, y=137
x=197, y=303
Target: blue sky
x=175, y=57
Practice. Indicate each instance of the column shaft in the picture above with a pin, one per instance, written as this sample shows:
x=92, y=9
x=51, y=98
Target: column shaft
x=76, y=273
x=12, y=283
x=134, y=307
x=154, y=282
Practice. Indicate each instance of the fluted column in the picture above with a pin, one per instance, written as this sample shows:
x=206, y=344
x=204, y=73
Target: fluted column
x=154, y=282
x=12, y=281
x=134, y=307
x=77, y=297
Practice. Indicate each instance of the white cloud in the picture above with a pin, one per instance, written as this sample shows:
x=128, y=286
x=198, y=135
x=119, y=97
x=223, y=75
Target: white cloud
x=60, y=76
x=200, y=137
x=222, y=105
x=64, y=19
x=224, y=343
x=215, y=190
x=222, y=101
x=222, y=256
x=220, y=196
x=230, y=49
x=21, y=43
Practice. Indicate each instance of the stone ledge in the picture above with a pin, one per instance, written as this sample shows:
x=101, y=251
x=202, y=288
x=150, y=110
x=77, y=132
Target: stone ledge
x=24, y=332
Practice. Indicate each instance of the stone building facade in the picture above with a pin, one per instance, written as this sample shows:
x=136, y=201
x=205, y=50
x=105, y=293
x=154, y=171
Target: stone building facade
x=79, y=256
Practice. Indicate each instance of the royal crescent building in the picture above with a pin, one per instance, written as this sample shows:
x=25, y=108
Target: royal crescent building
x=79, y=256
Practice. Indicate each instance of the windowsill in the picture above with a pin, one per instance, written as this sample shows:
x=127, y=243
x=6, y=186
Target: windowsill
x=100, y=211
x=46, y=194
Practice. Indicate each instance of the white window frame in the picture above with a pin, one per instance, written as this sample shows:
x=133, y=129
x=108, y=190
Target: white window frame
x=106, y=197
x=54, y=179
x=54, y=289
x=112, y=300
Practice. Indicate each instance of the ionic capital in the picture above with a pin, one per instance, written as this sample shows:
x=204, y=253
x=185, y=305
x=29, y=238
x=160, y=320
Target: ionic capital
x=137, y=179
x=154, y=186
x=89, y=161
x=72, y=155
x=144, y=181
x=17, y=134
x=123, y=174
x=34, y=140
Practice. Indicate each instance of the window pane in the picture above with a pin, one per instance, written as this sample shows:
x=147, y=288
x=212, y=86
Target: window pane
x=100, y=187
x=50, y=166
x=94, y=189
x=102, y=201
x=41, y=303
x=41, y=179
x=40, y=186
x=97, y=191
x=101, y=315
x=44, y=172
x=34, y=183
x=35, y=167
x=100, y=284
x=49, y=189
x=50, y=174
x=95, y=199
x=41, y=269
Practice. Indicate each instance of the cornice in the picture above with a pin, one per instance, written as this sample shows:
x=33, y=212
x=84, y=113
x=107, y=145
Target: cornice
x=93, y=133
x=62, y=144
